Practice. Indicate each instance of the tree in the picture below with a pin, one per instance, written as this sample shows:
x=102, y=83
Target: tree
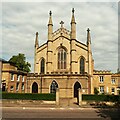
x=96, y=91
x=20, y=62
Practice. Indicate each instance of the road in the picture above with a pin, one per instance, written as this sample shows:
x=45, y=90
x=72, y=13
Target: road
x=54, y=113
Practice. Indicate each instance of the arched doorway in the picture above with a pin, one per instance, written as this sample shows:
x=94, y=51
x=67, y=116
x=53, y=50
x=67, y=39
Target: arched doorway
x=76, y=87
x=53, y=86
x=34, y=87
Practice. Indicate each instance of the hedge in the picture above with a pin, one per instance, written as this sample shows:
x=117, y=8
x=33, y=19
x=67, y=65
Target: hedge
x=52, y=97
x=29, y=96
x=107, y=98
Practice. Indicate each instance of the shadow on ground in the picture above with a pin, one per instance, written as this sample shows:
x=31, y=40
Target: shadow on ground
x=107, y=111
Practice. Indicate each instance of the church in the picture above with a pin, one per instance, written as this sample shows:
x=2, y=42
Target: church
x=64, y=63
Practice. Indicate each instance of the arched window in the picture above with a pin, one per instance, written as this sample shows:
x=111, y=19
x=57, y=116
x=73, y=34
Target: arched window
x=53, y=87
x=82, y=65
x=62, y=58
x=42, y=66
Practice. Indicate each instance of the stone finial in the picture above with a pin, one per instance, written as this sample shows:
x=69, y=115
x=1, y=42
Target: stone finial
x=36, y=33
x=88, y=36
x=73, y=10
x=73, y=18
x=88, y=30
x=50, y=18
x=50, y=13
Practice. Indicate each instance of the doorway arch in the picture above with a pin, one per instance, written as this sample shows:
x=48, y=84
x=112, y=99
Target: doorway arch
x=34, y=87
x=53, y=87
x=76, y=87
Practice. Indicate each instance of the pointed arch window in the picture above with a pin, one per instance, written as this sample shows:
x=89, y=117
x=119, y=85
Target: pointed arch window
x=42, y=66
x=82, y=65
x=53, y=87
x=62, y=54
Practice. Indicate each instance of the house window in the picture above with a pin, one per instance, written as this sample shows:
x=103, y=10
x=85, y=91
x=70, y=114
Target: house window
x=11, y=88
x=82, y=65
x=22, y=86
x=42, y=64
x=113, y=81
x=101, y=79
x=101, y=89
x=62, y=58
x=113, y=90
x=18, y=77
x=17, y=87
x=12, y=77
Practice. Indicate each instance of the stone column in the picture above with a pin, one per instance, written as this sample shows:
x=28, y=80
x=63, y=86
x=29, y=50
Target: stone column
x=79, y=97
x=57, y=96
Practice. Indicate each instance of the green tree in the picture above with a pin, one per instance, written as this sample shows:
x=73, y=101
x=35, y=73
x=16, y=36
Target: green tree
x=96, y=91
x=20, y=62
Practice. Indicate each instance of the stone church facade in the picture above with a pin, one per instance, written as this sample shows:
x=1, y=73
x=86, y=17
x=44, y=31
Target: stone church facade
x=62, y=62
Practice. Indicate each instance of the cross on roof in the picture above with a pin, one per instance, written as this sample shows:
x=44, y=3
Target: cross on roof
x=61, y=23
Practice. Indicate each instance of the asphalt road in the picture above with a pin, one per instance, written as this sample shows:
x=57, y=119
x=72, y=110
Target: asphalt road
x=31, y=113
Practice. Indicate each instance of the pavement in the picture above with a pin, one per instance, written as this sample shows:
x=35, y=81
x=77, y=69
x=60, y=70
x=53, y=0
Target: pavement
x=49, y=110
x=40, y=104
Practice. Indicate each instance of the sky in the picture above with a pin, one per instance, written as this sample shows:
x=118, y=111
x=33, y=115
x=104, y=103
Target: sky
x=21, y=20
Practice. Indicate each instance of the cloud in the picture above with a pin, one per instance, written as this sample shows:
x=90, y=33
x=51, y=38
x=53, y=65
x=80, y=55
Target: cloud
x=22, y=20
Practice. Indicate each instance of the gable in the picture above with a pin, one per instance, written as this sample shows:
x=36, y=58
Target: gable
x=61, y=32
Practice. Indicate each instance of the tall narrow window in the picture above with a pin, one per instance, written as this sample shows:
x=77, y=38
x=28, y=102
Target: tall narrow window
x=53, y=87
x=82, y=65
x=12, y=77
x=62, y=58
x=42, y=69
x=101, y=89
x=101, y=79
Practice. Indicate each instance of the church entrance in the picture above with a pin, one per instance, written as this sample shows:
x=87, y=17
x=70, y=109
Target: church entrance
x=76, y=87
x=34, y=87
x=53, y=86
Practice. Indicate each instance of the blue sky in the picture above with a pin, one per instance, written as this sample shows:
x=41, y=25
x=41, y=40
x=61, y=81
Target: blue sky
x=21, y=20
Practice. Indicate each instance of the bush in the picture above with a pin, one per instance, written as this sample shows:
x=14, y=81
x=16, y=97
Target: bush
x=107, y=98
x=96, y=91
x=28, y=96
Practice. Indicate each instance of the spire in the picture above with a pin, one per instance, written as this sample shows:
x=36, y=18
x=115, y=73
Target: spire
x=50, y=26
x=88, y=37
x=73, y=26
x=36, y=40
x=73, y=18
x=50, y=18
